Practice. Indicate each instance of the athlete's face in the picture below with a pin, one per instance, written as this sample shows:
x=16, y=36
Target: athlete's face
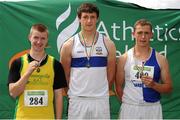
x=38, y=40
x=142, y=35
x=88, y=21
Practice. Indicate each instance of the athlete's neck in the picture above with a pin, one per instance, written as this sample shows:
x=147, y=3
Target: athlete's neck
x=37, y=55
x=88, y=37
x=142, y=53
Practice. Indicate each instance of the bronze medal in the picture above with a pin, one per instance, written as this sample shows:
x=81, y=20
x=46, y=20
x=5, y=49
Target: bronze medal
x=88, y=65
x=38, y=70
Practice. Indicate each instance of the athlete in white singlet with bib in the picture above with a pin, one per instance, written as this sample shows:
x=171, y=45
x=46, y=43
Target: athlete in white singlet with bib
x=144, y=74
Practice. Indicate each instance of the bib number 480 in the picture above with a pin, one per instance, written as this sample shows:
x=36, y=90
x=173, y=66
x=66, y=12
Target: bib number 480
x=138, y=75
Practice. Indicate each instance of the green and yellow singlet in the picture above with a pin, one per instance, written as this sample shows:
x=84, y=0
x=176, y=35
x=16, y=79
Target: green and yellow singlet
x=36, y=102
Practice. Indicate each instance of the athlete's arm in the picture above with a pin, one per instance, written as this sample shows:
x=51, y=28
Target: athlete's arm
x=111, y=61
x=166, y=85
x=59, y=84
x=17, y=88
x=58, y=103
x=120, y=76
x=65, y=57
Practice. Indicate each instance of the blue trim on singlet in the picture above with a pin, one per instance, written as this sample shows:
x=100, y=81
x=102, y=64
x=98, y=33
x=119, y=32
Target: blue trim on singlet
x=94, y=61
x=149, y=94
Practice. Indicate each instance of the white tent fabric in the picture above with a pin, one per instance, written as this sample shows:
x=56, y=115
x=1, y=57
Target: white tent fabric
x=156, y=4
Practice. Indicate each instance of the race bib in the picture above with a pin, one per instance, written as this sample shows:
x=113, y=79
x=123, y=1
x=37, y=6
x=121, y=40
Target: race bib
x=35, y=98
x=137, y=71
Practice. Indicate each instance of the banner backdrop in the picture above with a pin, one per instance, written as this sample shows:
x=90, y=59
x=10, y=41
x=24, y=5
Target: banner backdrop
x=116, y=21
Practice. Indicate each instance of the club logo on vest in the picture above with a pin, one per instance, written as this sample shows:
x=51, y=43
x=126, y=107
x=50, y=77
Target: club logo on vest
x=99, y=51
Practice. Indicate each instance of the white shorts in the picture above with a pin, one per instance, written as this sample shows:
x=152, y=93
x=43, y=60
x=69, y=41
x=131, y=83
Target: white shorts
x=130, y=111
x=88, y=108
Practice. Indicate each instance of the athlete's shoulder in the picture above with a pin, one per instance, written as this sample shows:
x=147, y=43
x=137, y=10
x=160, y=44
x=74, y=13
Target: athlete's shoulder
x=109, y=43
x=68, y=44
x=161, y=59
x=52, y=58
x=123, y=58
x=56, y=63
x=16, y=62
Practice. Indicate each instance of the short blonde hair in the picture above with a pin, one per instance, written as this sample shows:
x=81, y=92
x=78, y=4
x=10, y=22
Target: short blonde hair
x=143, y=22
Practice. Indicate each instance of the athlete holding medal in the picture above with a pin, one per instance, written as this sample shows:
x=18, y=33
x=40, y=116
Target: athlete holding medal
x=36, y=79
x=140, y=70
x=89, y=62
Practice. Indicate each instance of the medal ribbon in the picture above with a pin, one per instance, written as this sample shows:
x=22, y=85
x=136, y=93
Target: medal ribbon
x=39, y=63
x=92, y=46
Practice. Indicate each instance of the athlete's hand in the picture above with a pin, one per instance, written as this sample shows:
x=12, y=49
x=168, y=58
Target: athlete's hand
x=32, y=66
x=148, y=81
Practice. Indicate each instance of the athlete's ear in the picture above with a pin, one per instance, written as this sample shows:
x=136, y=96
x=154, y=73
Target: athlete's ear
x=29, y=37
x=97, y=20
x=152, y=35
x=133, y=33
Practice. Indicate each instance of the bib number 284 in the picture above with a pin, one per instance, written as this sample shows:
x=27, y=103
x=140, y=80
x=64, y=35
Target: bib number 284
x=36, y=100
x=33, y=98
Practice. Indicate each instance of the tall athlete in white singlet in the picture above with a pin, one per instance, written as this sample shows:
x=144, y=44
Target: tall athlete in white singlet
x=142, y=68
x=82, y=85
x=89, y=62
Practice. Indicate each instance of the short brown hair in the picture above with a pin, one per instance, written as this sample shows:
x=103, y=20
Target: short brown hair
x=87, y=8
x=39, y=27
x=143, y=22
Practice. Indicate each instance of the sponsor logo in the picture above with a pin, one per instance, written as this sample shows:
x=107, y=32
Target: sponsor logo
x=137, y=83
x=80, y=51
